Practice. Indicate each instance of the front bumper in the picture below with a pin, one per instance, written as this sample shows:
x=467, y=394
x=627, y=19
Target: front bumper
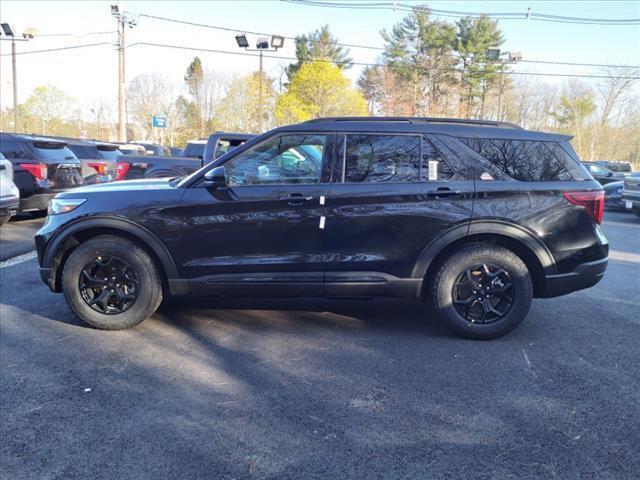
x=583, y=276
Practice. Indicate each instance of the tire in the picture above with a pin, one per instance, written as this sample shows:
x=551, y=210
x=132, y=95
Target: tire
x=115, y=250
x=455, y=275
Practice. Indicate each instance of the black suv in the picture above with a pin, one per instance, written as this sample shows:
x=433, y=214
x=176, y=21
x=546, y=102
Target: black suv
x=42, y=167
x=477, y=217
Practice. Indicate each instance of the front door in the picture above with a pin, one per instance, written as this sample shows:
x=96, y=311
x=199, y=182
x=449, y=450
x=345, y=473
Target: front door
x=261, y=234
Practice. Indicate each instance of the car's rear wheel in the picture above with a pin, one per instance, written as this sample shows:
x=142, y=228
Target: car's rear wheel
x=111, y=283
x=482, y=291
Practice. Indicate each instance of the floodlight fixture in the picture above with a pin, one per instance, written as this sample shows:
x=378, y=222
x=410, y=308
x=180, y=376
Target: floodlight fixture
x=115, y=10
x=493, y=53
x=262, y=43
x=7, y=30
x=242, y=41
x=277, y=41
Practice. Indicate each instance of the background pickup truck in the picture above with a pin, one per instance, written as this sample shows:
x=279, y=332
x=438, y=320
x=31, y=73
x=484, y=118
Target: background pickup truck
x=153, y=166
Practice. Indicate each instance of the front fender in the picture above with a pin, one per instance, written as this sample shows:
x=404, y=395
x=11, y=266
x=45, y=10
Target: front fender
x=113, y=224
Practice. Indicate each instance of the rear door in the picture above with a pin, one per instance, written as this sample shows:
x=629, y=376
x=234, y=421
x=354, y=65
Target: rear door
x=393, y=195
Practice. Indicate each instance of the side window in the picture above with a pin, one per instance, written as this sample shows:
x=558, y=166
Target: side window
x=434, y=171
x=526, y=161
x=382, y=158
x=284, y=159
x=15, y=150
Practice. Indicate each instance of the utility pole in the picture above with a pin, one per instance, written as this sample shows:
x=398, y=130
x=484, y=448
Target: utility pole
x=122, y=110
x=15, y=84
x=500, y=91
x=26, y=36
x=260, y=106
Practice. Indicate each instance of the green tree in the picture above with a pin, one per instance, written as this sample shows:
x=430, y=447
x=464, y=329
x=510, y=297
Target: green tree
x=48, y=108
x=572, y=112
x=479, y=73
x=239, y=109
x=318, y=45
x=420, y=50
x=194, y=78
x=318, y=89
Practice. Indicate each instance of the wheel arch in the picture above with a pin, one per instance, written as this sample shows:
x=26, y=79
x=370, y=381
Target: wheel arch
x=523, y=243
x=65, y=241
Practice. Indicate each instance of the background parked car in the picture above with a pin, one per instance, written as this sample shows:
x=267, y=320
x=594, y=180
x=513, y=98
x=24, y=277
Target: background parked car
x=131, y=149
x=618, y=167
x=154, y=149
x=98, y=159
x=153, y=166
x=176, y=151
x=195, y=148
x=42, y=167
x=602, y=174
x=631, y=193
x=9, y=193
x=613, y=195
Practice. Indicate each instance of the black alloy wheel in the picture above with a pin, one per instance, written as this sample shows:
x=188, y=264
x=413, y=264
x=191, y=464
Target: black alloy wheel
x=483, y=293
x=109, y=285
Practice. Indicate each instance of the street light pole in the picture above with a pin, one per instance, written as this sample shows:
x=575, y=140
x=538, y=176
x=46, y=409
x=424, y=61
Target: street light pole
x=262, y=44
x=122, y=112
x=15, y=84
x=512, y=57
x=500, y=91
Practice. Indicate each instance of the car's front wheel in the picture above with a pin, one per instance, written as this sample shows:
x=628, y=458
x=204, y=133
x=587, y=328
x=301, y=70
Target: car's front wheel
x=482, y=291
x=111, y=283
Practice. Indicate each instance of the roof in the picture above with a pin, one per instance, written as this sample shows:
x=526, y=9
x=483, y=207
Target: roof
x=420, y=125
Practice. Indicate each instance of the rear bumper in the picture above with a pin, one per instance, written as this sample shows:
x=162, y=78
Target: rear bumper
x=583, y=276
x=38, y=201
x=9, y=205
x=631, y=201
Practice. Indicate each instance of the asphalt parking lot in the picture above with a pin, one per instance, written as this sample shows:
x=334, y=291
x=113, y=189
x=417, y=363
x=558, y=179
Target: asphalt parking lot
x=324, y=389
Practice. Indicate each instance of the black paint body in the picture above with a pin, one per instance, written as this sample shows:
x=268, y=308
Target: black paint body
x=378, y=238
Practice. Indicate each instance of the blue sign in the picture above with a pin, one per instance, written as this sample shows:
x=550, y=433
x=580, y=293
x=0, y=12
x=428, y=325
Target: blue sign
x=159, y=122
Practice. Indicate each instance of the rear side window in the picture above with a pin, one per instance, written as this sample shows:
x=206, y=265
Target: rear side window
x=435, y=167
x=527, y=161
x=15, y=150
x=382, y=158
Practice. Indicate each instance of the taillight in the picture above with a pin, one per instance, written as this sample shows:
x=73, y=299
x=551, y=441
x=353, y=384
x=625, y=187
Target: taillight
x=38, y=170
x=593, y=202
x=100, y=167
x=121, y=170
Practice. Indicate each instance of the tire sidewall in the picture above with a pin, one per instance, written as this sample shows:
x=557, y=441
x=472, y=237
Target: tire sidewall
x=149, y=295
x=469, y=257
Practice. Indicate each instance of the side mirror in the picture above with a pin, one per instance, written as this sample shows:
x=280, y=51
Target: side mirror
x=215, y=178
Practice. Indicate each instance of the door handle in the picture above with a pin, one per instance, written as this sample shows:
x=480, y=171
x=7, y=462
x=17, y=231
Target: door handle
x=295, y=199
x=444, y=192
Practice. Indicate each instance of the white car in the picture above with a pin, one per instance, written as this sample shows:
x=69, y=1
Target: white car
x=9, y=193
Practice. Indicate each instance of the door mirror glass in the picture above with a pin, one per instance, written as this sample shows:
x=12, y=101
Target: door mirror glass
x=215, y=178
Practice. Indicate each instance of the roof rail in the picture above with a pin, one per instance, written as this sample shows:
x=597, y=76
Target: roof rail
x=415, y=120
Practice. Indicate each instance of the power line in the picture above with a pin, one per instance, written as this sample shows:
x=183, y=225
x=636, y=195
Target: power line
x=352, y=45
x=366, y=64
x=71, y=47
x=528, y=15
x=75, y=35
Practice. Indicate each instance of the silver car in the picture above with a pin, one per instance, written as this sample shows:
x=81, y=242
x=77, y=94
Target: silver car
x=9, y=193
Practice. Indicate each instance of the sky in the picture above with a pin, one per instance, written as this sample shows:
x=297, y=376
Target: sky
x=91, y=75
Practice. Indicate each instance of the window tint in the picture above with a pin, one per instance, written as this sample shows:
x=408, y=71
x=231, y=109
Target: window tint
x=442, y=170
x=84, y=152
x=282, y=159
x=526, y=161
x=52, y=151
x=16, y=150
x=382, y=158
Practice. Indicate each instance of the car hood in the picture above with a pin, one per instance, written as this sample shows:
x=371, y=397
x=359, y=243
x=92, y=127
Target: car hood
x=124, y=186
